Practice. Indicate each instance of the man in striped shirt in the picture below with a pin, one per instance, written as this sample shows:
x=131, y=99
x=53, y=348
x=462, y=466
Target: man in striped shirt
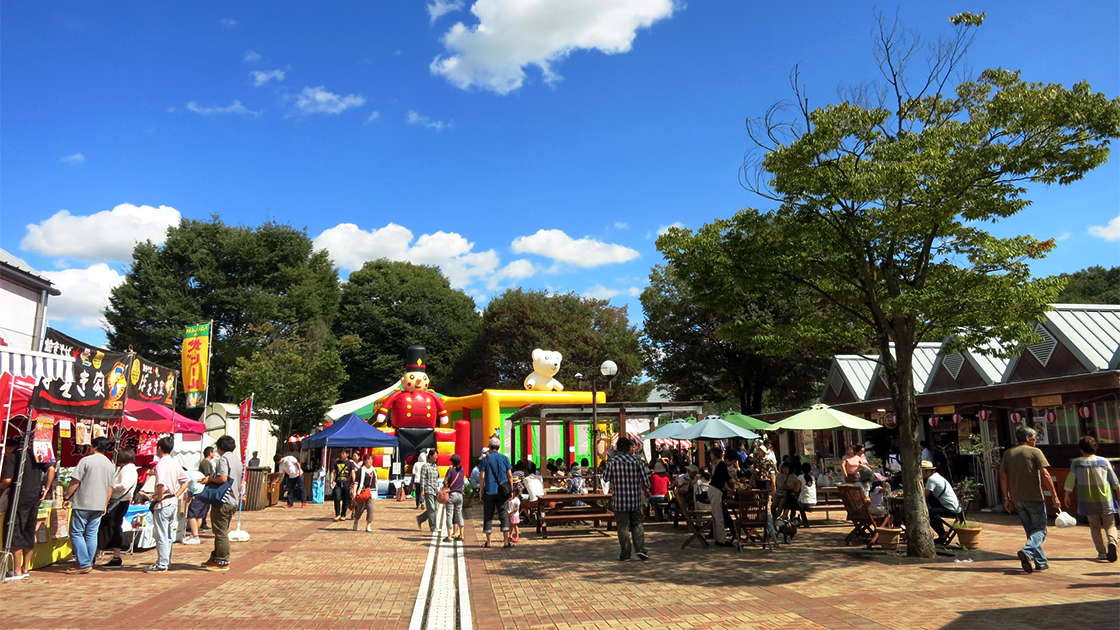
x=1094, y=485
x=628, y=476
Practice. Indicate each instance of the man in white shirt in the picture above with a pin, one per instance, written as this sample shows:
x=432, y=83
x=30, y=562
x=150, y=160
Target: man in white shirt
x=941, y=500
x=290, y=466
x=171, y=483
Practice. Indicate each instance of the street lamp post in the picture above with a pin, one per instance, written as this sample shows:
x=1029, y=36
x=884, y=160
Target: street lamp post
x=607, y=369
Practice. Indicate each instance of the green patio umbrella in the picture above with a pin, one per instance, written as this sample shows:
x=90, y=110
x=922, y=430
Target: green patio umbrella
x=823, y=417
x=716, y=428
x=747, y=422
x=670, y=430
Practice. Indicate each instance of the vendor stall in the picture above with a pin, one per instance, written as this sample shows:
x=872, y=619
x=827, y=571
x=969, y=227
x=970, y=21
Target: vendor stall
x=353, y=432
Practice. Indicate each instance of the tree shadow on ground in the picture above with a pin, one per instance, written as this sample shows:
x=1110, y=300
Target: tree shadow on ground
x=1099, y=614
x=543, y=560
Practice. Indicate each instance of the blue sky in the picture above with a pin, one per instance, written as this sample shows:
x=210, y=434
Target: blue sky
x=525, y=144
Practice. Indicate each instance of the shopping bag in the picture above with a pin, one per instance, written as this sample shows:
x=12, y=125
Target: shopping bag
x=1064, y=520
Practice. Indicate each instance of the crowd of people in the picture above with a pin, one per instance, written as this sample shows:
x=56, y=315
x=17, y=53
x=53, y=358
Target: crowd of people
x=106, y=482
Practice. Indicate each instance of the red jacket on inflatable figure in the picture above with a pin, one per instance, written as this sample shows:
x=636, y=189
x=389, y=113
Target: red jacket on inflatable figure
x=415, y=407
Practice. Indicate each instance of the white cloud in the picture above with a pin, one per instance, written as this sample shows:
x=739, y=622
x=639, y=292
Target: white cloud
x=1063, y=236
x=75, y=159
x=85, y=292
x=228, y=23
x=438, y=8
x=416, y=119
x=634, y=291
x=317, y=100
x=106, y=235
x=252, y=56
x=513, y=34
x=233, y=108
x=1110, y=232
x=621, y=225
x=664, y=229
x=261, y=77
x=350, y=247
x=516, y=270
x=600, y=292
x=374, y=115
x=584, y=252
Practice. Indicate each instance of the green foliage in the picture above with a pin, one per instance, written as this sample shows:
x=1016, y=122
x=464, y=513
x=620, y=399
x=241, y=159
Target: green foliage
x=1095, y=285
x=242, y=278
x=689, y=347
x=392, y=305
x=585, y=331
x=295, y=380
x=882, y=200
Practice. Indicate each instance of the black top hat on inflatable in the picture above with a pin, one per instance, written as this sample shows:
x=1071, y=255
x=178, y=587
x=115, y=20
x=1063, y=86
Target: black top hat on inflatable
x=416, y=359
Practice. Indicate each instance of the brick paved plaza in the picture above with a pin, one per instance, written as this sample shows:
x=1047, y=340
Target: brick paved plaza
x=302, y=570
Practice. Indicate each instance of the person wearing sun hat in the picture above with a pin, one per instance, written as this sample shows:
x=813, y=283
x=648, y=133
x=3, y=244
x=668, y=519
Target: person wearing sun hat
x=940, y=499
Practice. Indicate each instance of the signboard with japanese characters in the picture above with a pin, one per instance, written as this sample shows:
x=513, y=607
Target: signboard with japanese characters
x=196, y=358
x=151, y=383
x=97, y=390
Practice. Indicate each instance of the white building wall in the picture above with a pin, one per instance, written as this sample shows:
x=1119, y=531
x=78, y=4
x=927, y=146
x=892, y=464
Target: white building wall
x=18, y=305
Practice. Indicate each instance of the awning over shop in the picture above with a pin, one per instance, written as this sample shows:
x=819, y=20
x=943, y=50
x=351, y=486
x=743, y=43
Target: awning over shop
x=150, y=417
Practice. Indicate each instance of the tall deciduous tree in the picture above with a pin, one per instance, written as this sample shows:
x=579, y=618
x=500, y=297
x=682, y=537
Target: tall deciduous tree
x=882, y=200
x=240, y=277
x=392, y=305
x=691, y=347
x=585, y=331
x=294, y=379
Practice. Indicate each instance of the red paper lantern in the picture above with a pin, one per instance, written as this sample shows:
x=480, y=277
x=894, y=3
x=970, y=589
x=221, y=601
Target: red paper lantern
x=1016, y=417
x=1051, y=416
x=984, y=414
x=1085, y=411
x=957, y=418
x=933, y=421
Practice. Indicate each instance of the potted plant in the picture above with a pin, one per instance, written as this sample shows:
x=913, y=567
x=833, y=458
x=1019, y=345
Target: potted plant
x=888, y=537
x=968, y=532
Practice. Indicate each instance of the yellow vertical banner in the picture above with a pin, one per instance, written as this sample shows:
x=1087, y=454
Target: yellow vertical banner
x=196, y=363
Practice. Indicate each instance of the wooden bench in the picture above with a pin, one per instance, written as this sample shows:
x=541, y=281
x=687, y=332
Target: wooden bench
x=561, y=508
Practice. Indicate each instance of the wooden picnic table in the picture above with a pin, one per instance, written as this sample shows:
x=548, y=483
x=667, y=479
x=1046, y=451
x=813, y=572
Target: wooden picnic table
x=562, y=508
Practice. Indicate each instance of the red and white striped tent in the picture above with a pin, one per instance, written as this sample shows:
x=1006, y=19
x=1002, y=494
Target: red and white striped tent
x=685, y=444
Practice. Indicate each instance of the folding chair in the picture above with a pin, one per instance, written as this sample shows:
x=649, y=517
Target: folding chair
x=697, y=522
x=753, y=522
x=858, y=513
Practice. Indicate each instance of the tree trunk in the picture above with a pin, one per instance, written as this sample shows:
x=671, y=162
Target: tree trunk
x=757, y=389
x=919, y=536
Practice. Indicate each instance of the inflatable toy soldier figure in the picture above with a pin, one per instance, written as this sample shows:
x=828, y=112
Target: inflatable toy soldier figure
x=414, y=410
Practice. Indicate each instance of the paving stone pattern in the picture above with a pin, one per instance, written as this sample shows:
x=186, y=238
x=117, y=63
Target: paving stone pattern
x=302, y=570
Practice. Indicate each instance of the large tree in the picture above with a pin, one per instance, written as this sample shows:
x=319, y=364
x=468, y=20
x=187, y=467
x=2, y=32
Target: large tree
x=392, y=305
x=240, y=277
x=585, y=331
x=882, y=200
x=294, y=379
x=691, y=348
x=1094, y=285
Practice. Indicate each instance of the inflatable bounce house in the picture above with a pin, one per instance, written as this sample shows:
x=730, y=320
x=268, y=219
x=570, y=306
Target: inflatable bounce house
x=421, y=419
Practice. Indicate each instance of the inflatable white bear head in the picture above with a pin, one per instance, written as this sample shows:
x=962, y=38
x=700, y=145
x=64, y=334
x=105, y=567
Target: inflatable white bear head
x=546, y=363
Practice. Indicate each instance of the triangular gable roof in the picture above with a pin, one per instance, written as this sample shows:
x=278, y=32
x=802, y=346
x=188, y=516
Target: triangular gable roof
x=925, y=355
x=990, y=368
x=1090, y=331
x=856, y=371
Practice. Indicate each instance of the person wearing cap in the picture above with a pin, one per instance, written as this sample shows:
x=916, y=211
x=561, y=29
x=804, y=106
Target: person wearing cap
x=495, y=470
x=659, y=490
x=940, y=500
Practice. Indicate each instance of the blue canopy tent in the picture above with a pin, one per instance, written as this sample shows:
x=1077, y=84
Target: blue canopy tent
x=350, y=432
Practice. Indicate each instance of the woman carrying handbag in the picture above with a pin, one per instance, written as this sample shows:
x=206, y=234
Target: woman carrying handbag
x=365, y=492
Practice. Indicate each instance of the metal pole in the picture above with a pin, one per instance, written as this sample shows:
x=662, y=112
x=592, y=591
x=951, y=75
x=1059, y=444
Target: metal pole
x=209, y=356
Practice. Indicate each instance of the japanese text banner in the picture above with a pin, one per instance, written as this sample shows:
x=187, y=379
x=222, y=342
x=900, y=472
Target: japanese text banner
x=196, y=359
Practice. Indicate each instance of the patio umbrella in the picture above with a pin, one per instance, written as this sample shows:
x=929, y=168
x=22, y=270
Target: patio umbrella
x=746, y=422
x=716, y=428
x=823, y=417
x=670, y=430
